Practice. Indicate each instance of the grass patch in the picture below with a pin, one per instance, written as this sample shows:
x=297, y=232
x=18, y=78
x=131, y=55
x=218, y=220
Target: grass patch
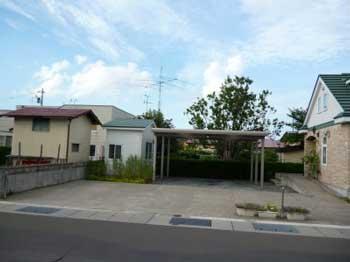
x=134, y=180
x=346, y=199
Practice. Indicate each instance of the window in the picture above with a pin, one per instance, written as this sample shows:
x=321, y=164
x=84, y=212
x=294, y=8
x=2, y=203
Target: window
x=115, y=152
x=92, y=150
x=324, y=150
x=149, y=150
x=2, y=140
x=8, y=141
x=319, y=106
x=41, y=124
x=75, y=148
x=325, y=102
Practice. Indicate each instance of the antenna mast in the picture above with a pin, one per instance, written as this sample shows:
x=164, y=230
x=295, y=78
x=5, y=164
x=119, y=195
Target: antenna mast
x=160, y=82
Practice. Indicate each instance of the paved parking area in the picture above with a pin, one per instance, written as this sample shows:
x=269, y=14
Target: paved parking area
x=189, y=197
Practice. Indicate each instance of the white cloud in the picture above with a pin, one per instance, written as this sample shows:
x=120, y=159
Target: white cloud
x=80, y=59
x=101, y=23
x=216, y=72
x=90, y=80
x=98, y=77
x=296, y=30
x=52, y=78
x=11, y=5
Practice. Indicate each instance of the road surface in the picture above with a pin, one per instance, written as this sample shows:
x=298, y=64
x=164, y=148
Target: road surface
x=41, y=238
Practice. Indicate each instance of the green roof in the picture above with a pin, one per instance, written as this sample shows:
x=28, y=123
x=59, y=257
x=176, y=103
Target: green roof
x=129, y=123
x=341, y=91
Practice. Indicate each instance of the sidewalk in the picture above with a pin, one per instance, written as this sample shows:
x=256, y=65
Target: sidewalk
x=210, y=223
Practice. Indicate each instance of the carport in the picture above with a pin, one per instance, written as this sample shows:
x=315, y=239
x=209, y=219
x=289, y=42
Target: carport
x=256, y=138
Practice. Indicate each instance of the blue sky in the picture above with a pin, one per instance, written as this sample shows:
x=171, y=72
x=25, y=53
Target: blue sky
x=107, y=51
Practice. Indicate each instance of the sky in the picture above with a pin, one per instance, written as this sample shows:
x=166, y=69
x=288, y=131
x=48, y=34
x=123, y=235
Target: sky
x=112, y=51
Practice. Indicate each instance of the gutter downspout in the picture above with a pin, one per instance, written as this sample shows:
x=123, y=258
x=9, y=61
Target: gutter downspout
x=68, y=135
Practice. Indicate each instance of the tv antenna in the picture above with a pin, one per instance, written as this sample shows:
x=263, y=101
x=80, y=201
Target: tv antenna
x=162, y=82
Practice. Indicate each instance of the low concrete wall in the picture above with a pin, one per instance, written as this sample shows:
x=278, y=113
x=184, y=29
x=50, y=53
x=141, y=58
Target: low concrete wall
x=23, y=178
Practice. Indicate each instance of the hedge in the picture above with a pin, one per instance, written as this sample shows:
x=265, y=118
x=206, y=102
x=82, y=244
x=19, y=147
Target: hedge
x=4, y=151
x=227, y=169
x=96, y=168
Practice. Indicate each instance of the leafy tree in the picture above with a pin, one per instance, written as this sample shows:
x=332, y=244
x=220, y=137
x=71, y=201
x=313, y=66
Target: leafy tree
x=298, y=117
x=158, y=118
x=235, y=107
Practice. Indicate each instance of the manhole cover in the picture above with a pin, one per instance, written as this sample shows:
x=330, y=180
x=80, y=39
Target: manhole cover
x=190, y=221
x=275, y=228
x=40, y=210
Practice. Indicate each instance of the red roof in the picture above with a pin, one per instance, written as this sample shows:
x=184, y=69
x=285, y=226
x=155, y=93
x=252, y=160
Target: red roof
x=52, y=113
x=271, y=143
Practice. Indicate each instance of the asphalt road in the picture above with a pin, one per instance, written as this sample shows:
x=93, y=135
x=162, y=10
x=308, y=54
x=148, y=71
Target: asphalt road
x=41, y=238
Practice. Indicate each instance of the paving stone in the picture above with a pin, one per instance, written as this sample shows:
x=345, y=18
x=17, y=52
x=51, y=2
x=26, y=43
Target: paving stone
x=345, y=233
x=83, y=214
x=243, y=226
x=330, y=232
x=309, y=231
x=160, y=220
x=221, y=225
x=11, y=207
x=65, y=212
x=102, y=216
x=141, y=218
x=121, y=217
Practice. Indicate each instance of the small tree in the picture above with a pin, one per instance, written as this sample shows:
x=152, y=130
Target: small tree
x=298, y=117
x=235, y=107
x=158, y=118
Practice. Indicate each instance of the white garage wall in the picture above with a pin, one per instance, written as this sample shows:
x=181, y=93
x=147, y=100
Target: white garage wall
x=131, y=142
x=148, y=137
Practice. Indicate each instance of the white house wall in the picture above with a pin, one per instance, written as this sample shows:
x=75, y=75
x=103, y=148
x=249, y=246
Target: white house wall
x=147, y=137
x=104, y=113
x=131, y=142
x=333, y=108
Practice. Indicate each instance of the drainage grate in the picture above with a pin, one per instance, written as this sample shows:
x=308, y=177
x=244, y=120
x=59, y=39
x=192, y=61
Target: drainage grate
x=190, y=221
x=38, y=210
x=275, y=228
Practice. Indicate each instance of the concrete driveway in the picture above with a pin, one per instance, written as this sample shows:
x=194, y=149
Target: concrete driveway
x=190, y=197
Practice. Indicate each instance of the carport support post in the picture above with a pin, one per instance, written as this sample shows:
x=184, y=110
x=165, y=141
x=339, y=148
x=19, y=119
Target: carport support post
x=154, y=158
x=168, y=158
x=256, y=163
x=262, y=163
x=162, y=159
x=251, y=162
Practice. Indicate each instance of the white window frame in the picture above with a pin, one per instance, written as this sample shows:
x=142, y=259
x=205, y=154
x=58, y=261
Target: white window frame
x=325, y=102
x=149, y=151
x=324, y=148
x=115, y=151
x=319, y=105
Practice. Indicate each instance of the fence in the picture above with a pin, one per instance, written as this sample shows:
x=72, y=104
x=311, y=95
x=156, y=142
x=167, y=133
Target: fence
x=23, y=178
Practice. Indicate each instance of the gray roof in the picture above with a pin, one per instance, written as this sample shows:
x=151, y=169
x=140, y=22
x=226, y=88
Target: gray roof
x=129, y=123
x=210, y=134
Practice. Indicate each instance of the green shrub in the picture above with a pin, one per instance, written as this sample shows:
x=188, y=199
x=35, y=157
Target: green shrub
x=4, y=151
x=118, y=179
x=299, y=210
x=220, y=169
x=96, y=168
x=137, y=168
x=250, y=206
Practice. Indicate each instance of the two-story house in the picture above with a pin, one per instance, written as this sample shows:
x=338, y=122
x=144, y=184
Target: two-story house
x=327, y=131
x=51, y=134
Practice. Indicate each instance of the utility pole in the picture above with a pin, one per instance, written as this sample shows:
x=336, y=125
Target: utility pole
x=40, y=100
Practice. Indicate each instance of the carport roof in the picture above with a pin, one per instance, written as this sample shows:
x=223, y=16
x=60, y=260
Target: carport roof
x=213, y=134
